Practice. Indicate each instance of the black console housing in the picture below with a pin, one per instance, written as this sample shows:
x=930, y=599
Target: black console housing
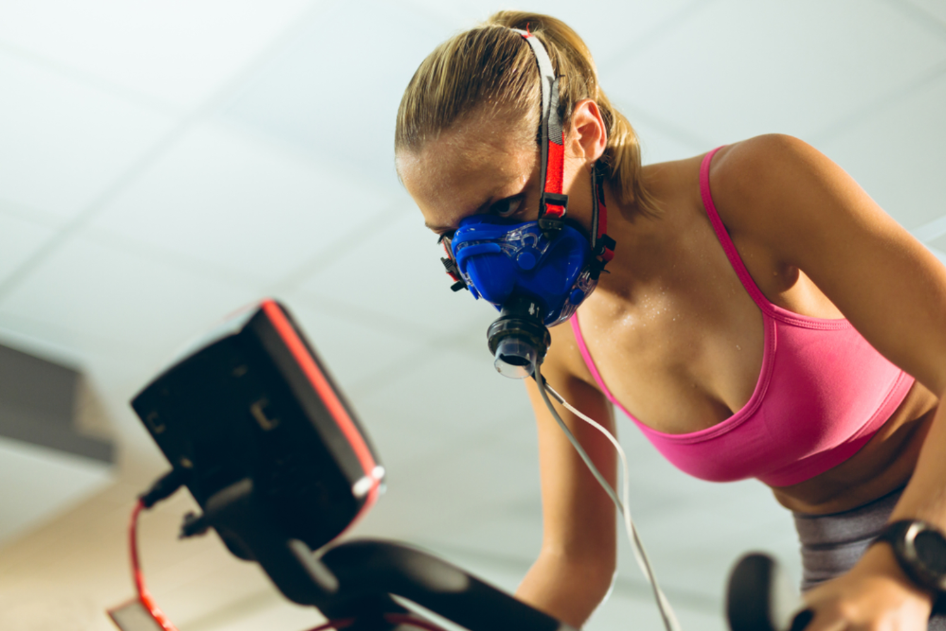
x=252, y=401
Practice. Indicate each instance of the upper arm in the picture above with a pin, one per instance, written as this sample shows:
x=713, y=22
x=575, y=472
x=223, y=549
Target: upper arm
x=809, y=213
x=578, y=516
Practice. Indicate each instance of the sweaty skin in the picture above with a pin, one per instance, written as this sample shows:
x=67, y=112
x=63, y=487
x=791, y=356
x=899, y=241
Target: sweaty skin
x=679, y=340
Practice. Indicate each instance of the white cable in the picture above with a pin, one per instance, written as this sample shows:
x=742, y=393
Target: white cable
x=640, y=555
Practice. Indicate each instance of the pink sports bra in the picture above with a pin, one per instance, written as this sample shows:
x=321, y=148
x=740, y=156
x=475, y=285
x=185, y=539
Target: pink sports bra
x=822, y=393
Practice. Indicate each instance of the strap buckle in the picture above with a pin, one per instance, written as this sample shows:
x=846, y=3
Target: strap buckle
x=453, y=272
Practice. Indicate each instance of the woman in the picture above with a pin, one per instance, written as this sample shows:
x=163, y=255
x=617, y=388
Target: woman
x=737, y=323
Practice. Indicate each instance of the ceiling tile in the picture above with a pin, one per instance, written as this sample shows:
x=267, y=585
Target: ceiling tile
x=738, y=68
x=239, y=202
x=897, y=155
x=351, y=351
x=19, y=239
x=147, y=306
x=610, y=28
x=939, y=243
x=179, y=51
x=659, y=144
x=396, y=272
x=60, y=342
x=438, y=401
x=66, y=142
x=335, y=90
x=934, y=11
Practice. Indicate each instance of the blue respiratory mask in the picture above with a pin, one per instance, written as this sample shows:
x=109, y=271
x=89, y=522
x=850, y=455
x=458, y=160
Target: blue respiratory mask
x=535, y=273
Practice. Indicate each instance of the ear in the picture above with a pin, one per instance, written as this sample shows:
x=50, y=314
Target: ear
x=586, y=137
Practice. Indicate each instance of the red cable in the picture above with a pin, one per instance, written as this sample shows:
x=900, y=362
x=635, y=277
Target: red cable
x=143, y=595
x=152, y=608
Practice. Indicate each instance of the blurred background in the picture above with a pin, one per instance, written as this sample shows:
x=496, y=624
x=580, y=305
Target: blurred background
x=163, y=163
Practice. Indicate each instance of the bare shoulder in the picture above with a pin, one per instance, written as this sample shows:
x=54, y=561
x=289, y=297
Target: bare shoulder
x=781, y=193
x=747, y=165
x=803, y=210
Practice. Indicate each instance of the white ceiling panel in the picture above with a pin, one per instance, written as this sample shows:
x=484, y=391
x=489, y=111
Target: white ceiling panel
x=239, y=202
x=659, y=143
x=19, y=239
x=179, y=52
x=609, y=28
x=65, y=142
x=897, y=155
x=351, y=350
x=485, y=495
x=62, y=341
x=335, y=89
x=439, y=401
x=933, y=10
x=396, y=272
x=738, y=68
x=147, y=306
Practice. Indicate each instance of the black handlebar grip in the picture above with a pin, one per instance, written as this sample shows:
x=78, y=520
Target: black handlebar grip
x=760, y=597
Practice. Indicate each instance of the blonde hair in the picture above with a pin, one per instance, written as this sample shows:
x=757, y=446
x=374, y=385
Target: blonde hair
x=489, y=70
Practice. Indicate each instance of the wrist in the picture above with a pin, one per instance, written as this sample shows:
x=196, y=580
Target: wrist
x=881, y=560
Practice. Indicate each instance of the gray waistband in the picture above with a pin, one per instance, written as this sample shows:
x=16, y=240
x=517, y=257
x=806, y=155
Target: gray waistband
x=832, y=544
x=864, y=522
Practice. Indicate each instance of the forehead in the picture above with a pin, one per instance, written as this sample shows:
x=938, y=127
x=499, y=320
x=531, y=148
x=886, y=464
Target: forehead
x=455, y=174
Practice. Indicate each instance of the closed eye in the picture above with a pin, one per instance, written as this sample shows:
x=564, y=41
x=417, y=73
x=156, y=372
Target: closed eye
x=507, y=207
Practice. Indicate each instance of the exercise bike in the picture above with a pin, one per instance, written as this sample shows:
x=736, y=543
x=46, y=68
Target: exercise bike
x=253, y=425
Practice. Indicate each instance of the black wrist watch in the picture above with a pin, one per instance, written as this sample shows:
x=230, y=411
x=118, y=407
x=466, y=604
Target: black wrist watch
x=920, y=549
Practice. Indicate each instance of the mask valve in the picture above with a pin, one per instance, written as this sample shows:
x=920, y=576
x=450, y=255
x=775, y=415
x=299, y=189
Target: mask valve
x=518, y=340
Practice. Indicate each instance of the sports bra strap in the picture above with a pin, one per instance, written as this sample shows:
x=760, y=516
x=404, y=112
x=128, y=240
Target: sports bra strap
x=723, y=235
x=586, y=355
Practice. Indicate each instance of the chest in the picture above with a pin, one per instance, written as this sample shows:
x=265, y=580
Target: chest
x=686, y=350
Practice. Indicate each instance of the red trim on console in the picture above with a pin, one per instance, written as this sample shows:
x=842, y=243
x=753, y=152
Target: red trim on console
x=325, y=391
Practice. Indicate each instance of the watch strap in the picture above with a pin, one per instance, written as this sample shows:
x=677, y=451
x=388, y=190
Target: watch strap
x=901, y=536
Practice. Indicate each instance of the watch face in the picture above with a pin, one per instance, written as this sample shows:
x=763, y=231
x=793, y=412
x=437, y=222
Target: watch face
x=931, y=551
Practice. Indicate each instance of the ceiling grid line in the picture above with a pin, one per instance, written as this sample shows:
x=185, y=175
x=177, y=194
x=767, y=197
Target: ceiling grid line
x=105, y=346
x=90, y=80
x=325, y=257
x=920, y=15
x=888, y=100
x=384, y=323
x=29, y=214
x=151, y=156
x=165, y=256
x=674, y=132
x=931, y=230
x=665, y=27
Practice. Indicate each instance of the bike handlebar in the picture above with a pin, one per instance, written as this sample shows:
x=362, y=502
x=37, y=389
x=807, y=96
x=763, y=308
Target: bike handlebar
x=760, y=597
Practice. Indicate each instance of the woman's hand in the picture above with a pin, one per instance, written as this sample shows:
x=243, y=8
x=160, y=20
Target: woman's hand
x=875, y=595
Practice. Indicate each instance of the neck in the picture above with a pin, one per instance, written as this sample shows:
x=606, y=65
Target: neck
x=640, y=240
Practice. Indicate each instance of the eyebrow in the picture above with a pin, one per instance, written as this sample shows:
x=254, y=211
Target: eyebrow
x=489, y=202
